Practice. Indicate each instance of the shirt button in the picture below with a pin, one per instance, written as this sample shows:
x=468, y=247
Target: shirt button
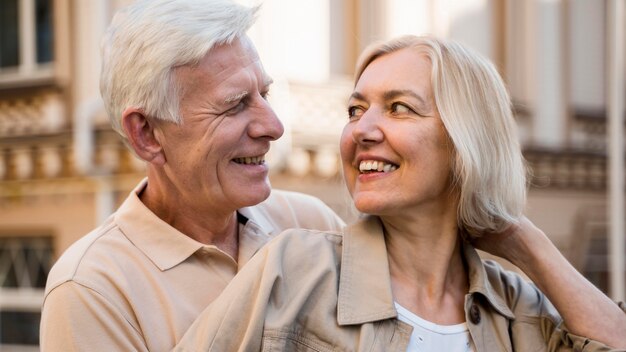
x=474, y=314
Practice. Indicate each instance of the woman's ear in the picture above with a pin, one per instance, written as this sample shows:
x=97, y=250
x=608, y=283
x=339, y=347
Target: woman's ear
x=140, y=132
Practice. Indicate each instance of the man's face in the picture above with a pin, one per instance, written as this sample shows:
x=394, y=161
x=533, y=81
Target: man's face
x=215, y=160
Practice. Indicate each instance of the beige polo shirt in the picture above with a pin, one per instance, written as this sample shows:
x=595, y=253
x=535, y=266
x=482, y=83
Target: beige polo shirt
x=326, y=291
x=136, y=283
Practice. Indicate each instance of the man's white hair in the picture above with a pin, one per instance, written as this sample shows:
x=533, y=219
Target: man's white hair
x=147, y=40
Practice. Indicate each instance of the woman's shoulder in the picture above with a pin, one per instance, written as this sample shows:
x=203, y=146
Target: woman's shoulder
x=519, y=293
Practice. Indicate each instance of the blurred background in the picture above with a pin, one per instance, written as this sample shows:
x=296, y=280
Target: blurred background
x=63, y=170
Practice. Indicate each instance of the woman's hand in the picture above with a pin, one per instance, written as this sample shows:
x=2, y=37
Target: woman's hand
x=515, y=243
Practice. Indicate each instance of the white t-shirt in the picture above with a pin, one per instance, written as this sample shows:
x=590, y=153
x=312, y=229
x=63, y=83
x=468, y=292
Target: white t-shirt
x=431, y=337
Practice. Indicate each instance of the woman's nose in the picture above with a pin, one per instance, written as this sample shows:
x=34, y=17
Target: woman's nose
x=367, y=129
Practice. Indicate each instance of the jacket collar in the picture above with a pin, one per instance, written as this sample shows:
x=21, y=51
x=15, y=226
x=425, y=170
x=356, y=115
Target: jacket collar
x=365, y=283
x=480, y=283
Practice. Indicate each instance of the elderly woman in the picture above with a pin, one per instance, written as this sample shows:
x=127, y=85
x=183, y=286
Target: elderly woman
x=430, y=154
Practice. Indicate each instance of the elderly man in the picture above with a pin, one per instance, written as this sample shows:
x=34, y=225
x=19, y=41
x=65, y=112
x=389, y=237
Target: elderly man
x=184, y=87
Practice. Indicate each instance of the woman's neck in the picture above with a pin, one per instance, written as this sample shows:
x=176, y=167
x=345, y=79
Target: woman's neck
x=428, y=275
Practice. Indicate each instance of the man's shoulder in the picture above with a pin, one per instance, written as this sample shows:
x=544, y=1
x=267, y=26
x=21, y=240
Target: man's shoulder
x=281, y=197
x=87, y=252
x=294, y=259
x=287, y=209
x=298, y=244
x=311, y=237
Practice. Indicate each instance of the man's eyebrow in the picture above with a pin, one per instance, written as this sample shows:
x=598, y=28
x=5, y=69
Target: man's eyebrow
x=235, y=97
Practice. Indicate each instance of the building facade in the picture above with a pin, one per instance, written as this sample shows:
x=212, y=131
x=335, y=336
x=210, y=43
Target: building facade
x=63, y=170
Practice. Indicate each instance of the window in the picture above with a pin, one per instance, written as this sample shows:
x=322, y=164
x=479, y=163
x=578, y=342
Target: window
x=9, y=43
x=24, y=266
x=43, y=30
x=26, y=39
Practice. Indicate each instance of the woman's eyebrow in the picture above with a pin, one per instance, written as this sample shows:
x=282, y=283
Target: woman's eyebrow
x=392, y=94
x=357, y=96
x=395, y=93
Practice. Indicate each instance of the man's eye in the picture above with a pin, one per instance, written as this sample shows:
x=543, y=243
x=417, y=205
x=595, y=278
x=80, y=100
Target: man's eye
x=399, y=108
x=265, y=95
x=236, y=109
x=355, y=112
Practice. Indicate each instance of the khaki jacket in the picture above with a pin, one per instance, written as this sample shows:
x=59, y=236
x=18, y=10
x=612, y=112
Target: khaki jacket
x=321, y=291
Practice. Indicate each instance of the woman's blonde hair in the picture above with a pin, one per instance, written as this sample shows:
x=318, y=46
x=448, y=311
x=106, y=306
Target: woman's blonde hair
x=475, y=108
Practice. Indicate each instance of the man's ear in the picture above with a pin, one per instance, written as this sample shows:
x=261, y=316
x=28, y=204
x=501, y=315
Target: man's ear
x=140, y=132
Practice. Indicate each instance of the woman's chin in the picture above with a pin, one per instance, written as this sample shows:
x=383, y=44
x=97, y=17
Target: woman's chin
x=369, y=207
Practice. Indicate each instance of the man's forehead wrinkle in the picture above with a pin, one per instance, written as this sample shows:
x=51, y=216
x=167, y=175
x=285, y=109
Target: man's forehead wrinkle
x=224, y=55
x=229, y=71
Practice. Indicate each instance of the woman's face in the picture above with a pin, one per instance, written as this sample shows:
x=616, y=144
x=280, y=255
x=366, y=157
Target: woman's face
x=395, y=150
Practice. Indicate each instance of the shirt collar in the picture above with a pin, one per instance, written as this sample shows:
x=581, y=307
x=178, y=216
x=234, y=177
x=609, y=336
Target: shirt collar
x=259, y=218
x=254, y=232
x=365, y=284
x=167, y=247
x=163, y=244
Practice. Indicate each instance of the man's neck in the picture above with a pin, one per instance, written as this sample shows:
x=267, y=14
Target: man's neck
x=212, y=228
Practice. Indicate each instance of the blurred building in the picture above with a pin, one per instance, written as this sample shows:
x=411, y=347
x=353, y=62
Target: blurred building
x=63, y=170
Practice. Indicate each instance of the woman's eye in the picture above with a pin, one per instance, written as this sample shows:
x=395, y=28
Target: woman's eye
x=399, y=108
x=354, y=111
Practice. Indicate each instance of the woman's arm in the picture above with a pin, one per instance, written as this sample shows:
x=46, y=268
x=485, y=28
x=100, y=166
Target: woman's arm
x=234, y=321
x=585, y=310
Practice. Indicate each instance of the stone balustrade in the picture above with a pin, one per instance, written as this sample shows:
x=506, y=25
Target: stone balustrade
x=32, y=114
x=36, y=142
x=52, y=157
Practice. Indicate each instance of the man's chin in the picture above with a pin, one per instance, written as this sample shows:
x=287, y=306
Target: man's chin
x=255, y=195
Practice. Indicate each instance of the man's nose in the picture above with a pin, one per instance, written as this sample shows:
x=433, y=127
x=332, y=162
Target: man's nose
x=266, y=124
